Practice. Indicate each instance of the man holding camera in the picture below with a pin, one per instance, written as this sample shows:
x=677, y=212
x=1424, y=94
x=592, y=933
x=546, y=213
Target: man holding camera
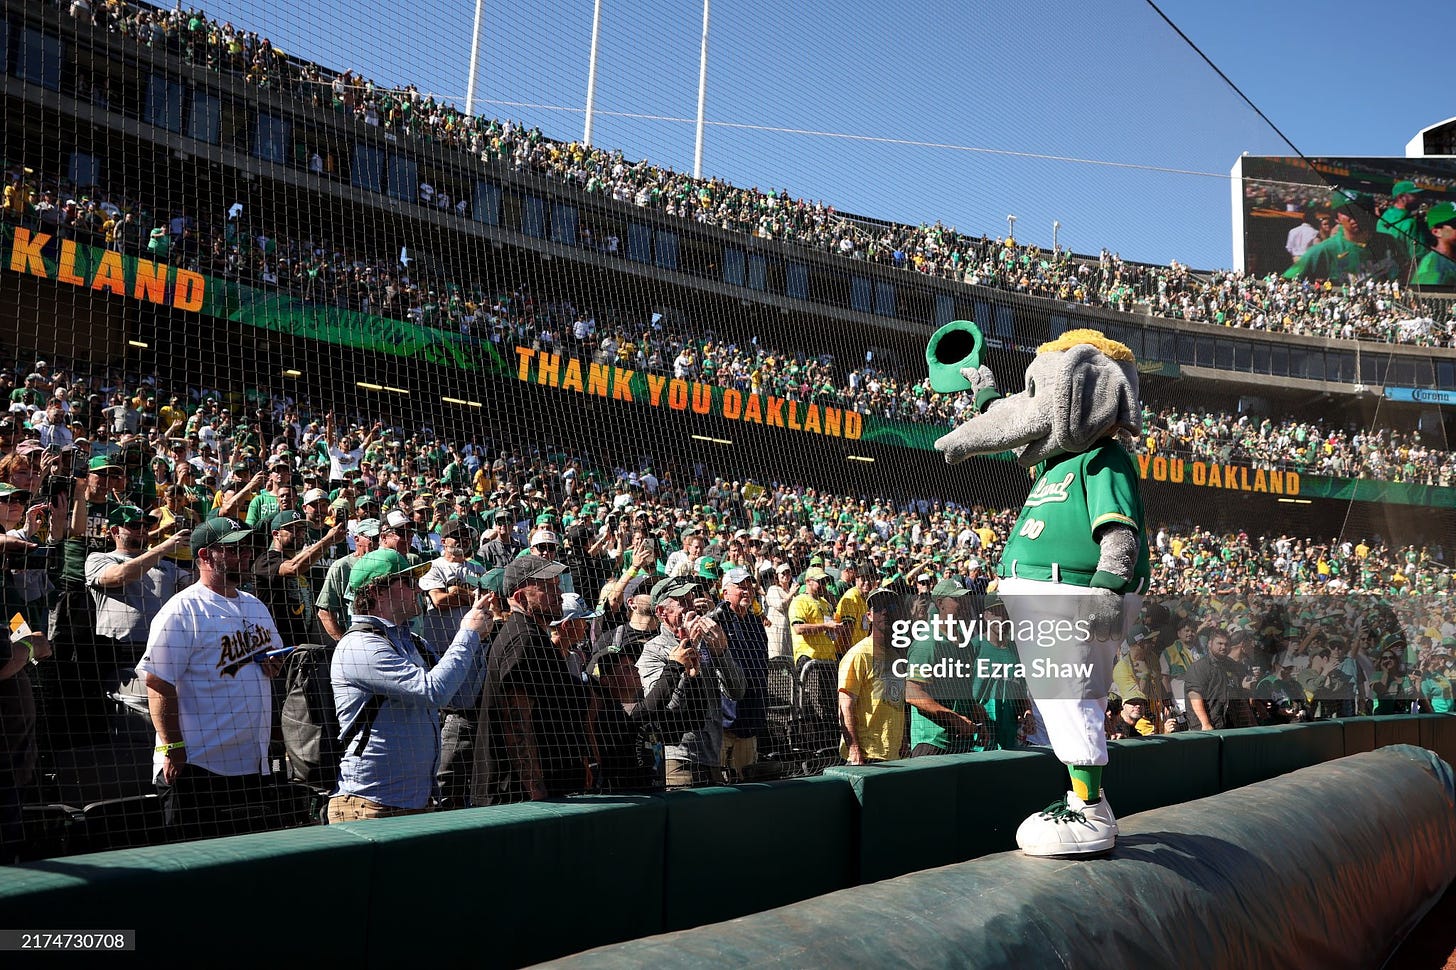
x=694, y=754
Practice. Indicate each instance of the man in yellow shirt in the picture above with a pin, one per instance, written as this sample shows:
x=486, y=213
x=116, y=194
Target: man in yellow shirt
x=852, y=605
x=872, y=688
x=812, y=621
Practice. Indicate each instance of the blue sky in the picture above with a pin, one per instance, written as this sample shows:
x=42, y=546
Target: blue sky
x=926, y=89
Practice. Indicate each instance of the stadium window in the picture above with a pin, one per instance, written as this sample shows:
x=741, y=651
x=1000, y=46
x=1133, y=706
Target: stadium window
x=774, y=281
x=84, y=170
x=163, y=106
x=270, y=139
x=1372, y=369
x=665, y=248
x=1223, y=354
x=367, y=171
x=235, y=126
x=404, y=178
x=204, y=120
x=1314, y=365
x=1203, y=351
x=700, y=257
x=735, y=266
x=1167, y=346
x=1187, y=350
x=1243, y=356
x=945, y=310
x=860, y=294
x=884, y=299
x=1279, y=361
x=915, y=304
x=830, y=288
x=757, y=272
x=487, y=204
x=1003, y=321
x=1339, y=366
x=533, y=217
x=1261, y=359
x=639, y=242
x=796, y=281
x=1425, y=373
x=1403, y=373
x=563, y=223
x=39, y=59
x=1445, y=375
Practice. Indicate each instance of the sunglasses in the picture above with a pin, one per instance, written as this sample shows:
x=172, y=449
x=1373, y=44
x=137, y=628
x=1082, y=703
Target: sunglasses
x=546, y=547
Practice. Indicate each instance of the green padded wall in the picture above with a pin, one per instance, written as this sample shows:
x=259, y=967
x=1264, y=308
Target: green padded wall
x=512, y=885
x=1359, y=734
x=1255, y=754
x=1398, y=729
x=735, y=851
x=1166, y=769
x=223, y=901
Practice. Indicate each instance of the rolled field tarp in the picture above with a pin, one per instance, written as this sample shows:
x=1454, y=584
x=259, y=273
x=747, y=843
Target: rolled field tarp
x=1330, y=866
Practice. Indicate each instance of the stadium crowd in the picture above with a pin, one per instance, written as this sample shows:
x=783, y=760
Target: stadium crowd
x=1373, y=309
x=345, y=528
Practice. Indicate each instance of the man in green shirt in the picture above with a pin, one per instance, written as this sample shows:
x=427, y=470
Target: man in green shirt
x=1357, y=249
x=1399, y=220
x=1438, y=266
x=940, y=679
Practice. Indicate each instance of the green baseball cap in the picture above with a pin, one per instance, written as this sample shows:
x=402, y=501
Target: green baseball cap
x=219, y=531
x=382, y=565
x=708, y=567
x=1441, y=214
x=1345, y=198
x=285, y=518
x=671, y=588
x=948, y=587
x=102, y=463
x=125, y=515
x=1405, y=187
x=10, y=491
x=954, y=346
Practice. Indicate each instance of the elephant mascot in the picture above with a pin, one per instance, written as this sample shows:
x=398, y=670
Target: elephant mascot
x=1075, y=567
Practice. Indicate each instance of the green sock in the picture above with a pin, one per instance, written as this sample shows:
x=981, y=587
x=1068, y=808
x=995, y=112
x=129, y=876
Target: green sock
x=1086, y=782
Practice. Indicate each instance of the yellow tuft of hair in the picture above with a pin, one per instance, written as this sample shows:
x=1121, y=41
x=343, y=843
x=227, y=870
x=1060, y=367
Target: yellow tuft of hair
x=1094, y=338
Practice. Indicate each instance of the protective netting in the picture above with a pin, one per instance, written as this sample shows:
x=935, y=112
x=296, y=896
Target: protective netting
x=269, y=316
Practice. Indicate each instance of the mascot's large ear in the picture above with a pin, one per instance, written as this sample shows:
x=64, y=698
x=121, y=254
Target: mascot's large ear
x=1095, y=395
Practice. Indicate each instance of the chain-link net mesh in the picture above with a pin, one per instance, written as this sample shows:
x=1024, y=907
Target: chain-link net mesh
x=315, y=381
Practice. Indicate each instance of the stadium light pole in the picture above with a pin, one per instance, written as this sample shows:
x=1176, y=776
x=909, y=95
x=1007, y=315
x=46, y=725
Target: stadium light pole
x=1055, y=227
x=591, y=73
x=1010, y=227
x=702, y=95
x=474, y=58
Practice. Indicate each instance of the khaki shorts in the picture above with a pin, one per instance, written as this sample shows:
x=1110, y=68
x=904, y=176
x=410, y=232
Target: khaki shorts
x=351, y=808
x=739, y=753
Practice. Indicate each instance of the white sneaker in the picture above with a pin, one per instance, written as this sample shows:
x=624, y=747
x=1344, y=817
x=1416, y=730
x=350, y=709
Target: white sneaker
x=1069, y=827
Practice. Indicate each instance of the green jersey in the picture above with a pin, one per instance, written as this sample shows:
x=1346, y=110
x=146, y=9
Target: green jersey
x=1338, y=258
x=1073, y=496
x=946, y=669
x=1435, y=269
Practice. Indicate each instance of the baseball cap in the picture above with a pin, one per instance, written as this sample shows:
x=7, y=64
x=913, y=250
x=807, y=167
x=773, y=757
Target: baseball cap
x=737, y=576
x=219, y=531
x=1134, y=695
x=671, y=588
x=883, y=599
x=285, y=518
x=783, y=567
x=708, y=568
x=313, y=495
x=365, y=527
x=10, y=491
x=816, y=573
x=1441, y=214
x=1345, y=198
x=1405, y=187
x=125, y=515
x=573, y=607
x=100, y=463
x=525, y=568
x=948, y=587
x=593, y=666
x=385, y=565
x=544, y=537
x=397, y=520
x=456, y=528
